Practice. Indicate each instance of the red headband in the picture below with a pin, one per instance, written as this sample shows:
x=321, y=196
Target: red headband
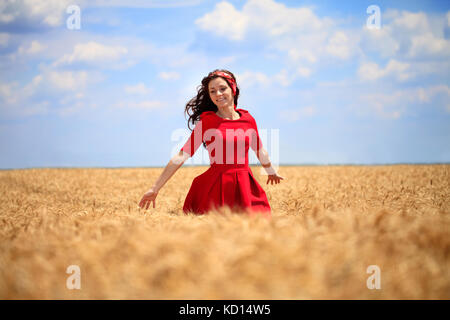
x=229, y=79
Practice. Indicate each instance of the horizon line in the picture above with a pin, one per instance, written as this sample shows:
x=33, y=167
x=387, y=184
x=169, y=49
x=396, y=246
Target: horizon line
x=250, y=165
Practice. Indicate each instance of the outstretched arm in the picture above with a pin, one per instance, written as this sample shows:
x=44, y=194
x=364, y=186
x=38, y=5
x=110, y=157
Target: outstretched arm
x=272, y=175
x=263, y=156
x=170, y=169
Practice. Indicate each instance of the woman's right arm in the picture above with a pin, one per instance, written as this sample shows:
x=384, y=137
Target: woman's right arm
x=173, y=165
x=188, y=150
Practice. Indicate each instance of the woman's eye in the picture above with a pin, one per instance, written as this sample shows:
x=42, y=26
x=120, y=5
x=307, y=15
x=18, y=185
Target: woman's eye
x=221, y=90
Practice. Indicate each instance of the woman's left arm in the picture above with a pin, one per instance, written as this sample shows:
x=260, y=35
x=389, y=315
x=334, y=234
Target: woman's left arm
x=263, y=156
x=272, y=175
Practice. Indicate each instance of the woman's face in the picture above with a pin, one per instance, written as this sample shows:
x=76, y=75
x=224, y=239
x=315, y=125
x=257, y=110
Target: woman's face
x=220, y=93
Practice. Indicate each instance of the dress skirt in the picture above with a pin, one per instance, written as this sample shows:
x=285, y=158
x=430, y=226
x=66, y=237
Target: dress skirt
x=226, y=185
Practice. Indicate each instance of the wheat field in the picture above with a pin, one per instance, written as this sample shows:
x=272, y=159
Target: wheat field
x=328, y=225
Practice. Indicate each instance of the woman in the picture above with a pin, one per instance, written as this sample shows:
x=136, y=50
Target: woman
x=227, y=133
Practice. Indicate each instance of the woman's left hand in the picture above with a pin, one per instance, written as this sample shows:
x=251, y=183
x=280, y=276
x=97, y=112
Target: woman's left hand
x=274, y=178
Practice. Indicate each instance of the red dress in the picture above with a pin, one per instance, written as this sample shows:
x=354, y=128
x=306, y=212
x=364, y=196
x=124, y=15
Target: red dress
x=229, y=180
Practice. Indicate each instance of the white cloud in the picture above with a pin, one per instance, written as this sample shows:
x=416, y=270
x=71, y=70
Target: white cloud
x=414, y=43
x=52, y=13
x=12, y=93
x=225, y=21
x=48, y=12
x=31, y=88
x=25, y=51
x=68, y=80
x=105, y=52
x=265, y=16
x=294, y=33
x=427, y=94
x=283, y=77
x=380, y=40
x=385, y=105
x=298, y=54
x=15, y=100
x=62, y=90
x=139, y=88
x=411, y=20
x=33, y=48
x=276, y=19
x=395, y=104
x=56, y=81
x=304, y=72
x=429, y=45
x=399, y=70
x=250, y=78
x=92, y=52
x=409, y=35
x=4, y=16
x=338, y=45
x=169, y=75
x=144, y=3
x=8, y=92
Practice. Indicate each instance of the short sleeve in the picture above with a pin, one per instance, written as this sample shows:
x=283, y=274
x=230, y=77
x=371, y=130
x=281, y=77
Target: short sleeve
x=256, y=143
x=195, y=140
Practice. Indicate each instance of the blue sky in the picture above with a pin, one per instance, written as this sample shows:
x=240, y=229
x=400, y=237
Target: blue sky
x=323, y=87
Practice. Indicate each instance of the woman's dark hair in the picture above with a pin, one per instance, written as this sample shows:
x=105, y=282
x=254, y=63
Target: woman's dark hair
x=202, y=102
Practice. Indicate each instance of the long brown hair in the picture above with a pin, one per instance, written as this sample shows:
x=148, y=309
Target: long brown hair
x=202, y=102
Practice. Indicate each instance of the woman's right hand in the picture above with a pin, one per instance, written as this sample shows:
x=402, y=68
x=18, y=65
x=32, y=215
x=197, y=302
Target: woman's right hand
x=149, y=196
